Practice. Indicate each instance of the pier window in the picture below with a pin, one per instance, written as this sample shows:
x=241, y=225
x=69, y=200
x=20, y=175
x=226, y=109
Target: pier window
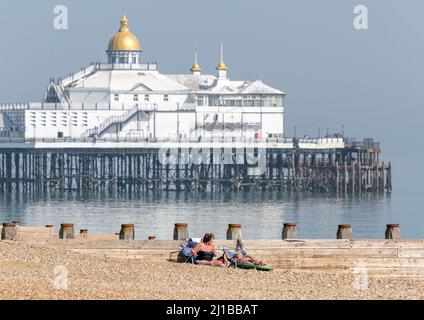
x=85, y=119
x=213, y=101
x=146, y=98
x=53, y=119
x=116, y=97
x=43, y=119
x=200, y=101
x=32, y=119
x=166, y=98
x=136, y=98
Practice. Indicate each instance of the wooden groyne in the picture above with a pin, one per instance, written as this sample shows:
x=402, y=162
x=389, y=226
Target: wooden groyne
x=15, y=231
x=295, y=166
x=383, y=258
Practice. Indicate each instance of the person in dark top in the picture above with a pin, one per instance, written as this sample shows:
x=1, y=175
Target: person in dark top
x=206, y=251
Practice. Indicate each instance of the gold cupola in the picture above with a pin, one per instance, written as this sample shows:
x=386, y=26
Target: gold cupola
x=196, y=68
x=222, y=66
x=124, y=40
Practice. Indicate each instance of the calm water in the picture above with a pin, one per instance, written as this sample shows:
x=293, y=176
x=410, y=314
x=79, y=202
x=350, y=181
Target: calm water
x=262, y=215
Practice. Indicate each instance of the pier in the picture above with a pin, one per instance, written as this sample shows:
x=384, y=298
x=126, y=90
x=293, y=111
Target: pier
x=132, y=165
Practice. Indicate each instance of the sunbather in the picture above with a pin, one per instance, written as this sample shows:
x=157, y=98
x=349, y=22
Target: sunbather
x=205, y=252
x=241, y=257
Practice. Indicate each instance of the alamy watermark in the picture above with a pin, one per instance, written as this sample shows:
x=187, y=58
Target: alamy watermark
x=61, y=279
x=361, y=279
x=60, y=21
x=61, y=17
x=253, y=158
x=360, y=22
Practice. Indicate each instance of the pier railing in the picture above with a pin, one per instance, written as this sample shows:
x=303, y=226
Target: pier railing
x=182, y=140
x=92, y=106
x=65, y=106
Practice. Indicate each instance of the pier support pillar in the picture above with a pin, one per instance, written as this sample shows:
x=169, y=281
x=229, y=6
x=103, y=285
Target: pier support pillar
x=127, y=232
x=84, y=234
x=392, y=232
x=344, y=232
x=181, y=231
x=290, y=231
x=66, y=231
x=234, y=231
x=9, y=231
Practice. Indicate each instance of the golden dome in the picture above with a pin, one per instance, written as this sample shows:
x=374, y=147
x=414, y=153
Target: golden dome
x=222, y=66
x=124, y=40
x=196, y=68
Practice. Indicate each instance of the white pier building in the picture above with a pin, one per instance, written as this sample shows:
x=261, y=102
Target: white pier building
x=129, y=98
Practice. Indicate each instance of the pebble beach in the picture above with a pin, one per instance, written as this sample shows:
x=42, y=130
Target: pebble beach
x=27, y=271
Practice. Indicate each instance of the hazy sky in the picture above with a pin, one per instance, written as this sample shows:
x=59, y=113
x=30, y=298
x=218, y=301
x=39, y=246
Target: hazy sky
x=369, y=81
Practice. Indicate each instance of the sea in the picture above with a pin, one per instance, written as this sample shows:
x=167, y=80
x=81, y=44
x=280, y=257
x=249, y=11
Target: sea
x=261, y=214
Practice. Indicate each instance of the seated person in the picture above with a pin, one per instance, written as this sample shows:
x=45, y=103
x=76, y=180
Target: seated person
x=205, y=251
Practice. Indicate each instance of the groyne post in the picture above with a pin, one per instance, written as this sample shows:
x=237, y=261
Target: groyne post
x=51, y=230
x=127, y=232
x=9, y=231
x=344, y=232
x=392, y=232
x=181, y=231
x=66, y=231
x=234, y=231
x=290, y=231
x=84, y=234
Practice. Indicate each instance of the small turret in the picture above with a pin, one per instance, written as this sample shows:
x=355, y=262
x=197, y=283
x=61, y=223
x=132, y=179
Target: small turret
x=196, y=69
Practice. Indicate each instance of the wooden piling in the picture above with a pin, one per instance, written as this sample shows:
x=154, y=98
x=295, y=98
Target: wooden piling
x=350, y=169
x=181, y=231
x=51, y=230
x=9, y=231
x=127, y=232
x=289, y=231
x=392, y=232
x=84, y=234
x=344, y=232
x=66, y=231
x=234, y=232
